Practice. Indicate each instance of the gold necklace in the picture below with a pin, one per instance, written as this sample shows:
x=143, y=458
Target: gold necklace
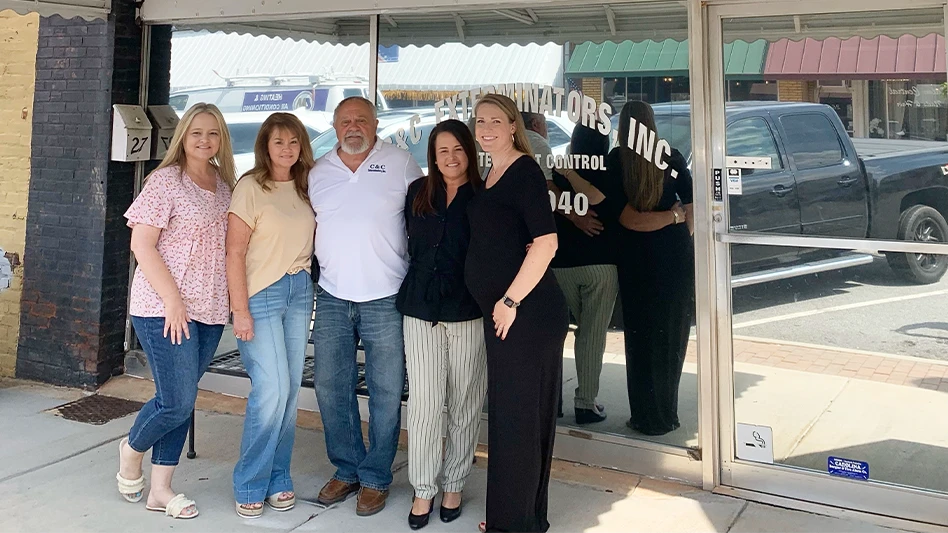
x=506, y=164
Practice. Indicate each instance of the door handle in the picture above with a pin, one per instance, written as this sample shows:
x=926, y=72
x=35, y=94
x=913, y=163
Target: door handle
x=846, y=182
x=780, y=191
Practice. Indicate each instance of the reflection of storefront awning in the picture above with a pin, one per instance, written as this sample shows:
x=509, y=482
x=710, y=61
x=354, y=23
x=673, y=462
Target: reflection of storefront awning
x=87, y=9
x=206, y=59
x=420, y=22
x=857, y=58
x=455, y=67
x=660, y=58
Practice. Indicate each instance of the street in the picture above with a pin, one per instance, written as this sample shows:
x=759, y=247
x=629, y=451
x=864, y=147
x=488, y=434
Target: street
x=864, y=308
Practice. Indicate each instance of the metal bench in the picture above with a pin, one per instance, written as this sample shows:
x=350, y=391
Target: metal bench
x=229, y=364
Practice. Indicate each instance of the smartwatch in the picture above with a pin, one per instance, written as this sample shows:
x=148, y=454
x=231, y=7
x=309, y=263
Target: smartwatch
x=510, y=303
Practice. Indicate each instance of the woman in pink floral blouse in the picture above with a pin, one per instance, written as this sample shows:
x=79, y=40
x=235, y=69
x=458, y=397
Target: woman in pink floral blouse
x=179, y=301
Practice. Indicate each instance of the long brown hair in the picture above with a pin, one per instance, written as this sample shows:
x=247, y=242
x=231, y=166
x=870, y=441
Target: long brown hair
x=424, y=200
x=262, y=170
x=223, y=161
x=521, y=142
x=642, y=181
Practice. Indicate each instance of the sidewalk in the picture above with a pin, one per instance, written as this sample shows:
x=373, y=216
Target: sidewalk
x=59, y=475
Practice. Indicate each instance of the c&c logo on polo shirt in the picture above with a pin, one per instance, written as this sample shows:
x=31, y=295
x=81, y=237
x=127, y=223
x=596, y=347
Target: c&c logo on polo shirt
x=376, y=168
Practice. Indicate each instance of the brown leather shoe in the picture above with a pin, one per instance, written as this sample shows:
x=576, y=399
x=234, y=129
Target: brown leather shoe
x=334, y=491
x=370, y=501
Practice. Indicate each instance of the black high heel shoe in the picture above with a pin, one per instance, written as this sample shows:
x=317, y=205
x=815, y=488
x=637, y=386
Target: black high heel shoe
x=416, y=521
x=449, y=515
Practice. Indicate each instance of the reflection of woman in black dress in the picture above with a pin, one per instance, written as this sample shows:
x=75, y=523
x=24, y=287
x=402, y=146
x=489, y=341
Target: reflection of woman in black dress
x=525, y=318
x=656, y=271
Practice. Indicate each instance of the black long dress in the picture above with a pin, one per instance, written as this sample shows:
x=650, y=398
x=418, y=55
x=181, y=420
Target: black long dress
x=657, y=284
x=524, y=370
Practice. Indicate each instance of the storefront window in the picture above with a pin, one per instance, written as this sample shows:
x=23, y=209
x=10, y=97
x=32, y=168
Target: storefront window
x=878, y=110
x=908, y=109
x=745, y=90
x=636, y=89
x=917, y=109
x=444, y=79
x=425, y=78
x=614, y=91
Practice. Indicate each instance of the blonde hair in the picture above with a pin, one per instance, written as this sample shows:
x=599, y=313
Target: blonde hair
x=223, y=162
x=520, y=140
x=262, y=170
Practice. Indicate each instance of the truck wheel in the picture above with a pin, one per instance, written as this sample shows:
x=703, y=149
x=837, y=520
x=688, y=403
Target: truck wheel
x=924, y=224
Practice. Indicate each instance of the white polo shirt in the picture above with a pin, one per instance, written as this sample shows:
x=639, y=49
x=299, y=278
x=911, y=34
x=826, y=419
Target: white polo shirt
x=361, y=241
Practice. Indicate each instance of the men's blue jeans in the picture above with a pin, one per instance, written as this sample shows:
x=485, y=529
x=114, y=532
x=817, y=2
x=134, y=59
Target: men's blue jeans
x=379, y=325
x=274, y=362
x=163, y=423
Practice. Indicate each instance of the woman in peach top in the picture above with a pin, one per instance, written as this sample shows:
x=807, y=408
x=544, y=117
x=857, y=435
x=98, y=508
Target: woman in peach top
x=269, y=251
x=179, y=301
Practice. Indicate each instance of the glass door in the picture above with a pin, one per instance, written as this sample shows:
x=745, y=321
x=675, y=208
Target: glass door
x=830, y=247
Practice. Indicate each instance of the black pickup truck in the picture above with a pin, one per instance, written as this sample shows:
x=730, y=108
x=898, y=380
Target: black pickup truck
x=822, y=183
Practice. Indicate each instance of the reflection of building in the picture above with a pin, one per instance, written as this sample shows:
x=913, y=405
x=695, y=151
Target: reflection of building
x=880, y=87
x=908, y=109
x=894, y=87
x=657, y=71
x=409, y=76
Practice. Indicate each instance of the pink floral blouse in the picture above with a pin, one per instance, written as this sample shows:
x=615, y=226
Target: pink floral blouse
x=194, y=227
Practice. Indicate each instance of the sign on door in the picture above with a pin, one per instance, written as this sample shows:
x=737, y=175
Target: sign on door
x=755, y=443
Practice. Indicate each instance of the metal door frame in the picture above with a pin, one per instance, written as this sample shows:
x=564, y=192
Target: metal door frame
x=722, y=472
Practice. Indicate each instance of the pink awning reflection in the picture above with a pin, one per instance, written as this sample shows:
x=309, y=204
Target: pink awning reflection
x=857, y=58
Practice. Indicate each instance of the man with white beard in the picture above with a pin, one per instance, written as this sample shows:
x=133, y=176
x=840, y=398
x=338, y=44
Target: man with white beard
x=358, y=192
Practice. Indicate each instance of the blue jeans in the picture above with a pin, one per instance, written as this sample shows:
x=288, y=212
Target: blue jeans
x=274, y=362
x=379, y=324
x=163, y=422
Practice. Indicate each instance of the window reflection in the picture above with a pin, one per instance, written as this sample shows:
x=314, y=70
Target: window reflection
x=578, y=67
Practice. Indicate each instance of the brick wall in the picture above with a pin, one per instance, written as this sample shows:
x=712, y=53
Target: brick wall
x=796, y=91
x=592, y=87
x=18, y=38
x=75, y=287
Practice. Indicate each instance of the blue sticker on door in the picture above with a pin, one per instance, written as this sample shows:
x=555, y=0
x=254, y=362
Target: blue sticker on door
x=838, y=466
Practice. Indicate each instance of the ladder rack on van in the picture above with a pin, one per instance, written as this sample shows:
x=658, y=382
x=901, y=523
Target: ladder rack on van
x=292, y=79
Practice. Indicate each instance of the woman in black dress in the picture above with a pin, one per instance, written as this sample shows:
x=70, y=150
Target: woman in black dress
x=525, y=318
x=656, y=269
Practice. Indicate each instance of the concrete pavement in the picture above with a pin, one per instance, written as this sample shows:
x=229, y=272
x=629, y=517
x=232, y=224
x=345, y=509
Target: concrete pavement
x=59, y=475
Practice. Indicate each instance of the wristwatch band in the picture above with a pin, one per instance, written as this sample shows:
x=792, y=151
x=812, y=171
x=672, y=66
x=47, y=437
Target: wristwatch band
x=510, y=303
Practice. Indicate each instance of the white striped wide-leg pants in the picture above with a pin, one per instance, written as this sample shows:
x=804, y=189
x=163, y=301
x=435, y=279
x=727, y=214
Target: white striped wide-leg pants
x=446, y=363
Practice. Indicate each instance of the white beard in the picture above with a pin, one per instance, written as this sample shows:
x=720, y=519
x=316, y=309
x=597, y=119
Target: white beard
x=353, y=150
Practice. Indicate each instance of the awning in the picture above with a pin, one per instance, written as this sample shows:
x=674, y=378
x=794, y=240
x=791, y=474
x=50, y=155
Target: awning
x=662, y=58
x=87, y=9
x=455, y=67
x=206, y=59
x=857, y=58
x=408, y=22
